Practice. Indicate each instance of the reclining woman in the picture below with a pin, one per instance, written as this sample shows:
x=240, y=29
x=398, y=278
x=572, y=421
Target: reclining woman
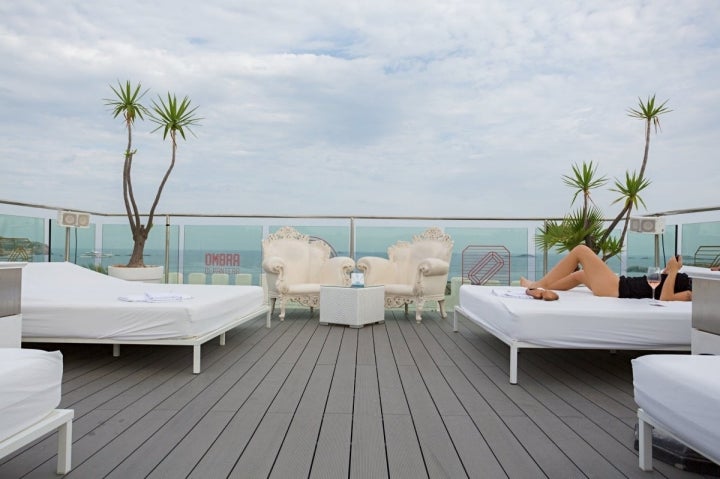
x=602, y=281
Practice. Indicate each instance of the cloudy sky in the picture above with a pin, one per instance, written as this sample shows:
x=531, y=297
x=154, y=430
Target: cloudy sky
x=423, y=107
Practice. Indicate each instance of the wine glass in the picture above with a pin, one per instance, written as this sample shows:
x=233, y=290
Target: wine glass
x=653, y=279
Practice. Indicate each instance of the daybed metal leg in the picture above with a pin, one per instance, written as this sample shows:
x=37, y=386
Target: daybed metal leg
x=455, y=320
x=116, y=350
x=222, y=339
x=513, y=364
x=196, y=359
x=644, y=443
x=282, y=309
x=64, y=459
x=267, y=319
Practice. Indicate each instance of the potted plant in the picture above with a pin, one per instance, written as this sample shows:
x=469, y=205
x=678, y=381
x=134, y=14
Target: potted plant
x=586, y=225
x=171, y=116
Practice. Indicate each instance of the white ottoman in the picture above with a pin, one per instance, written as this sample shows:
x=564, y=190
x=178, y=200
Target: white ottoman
x=355, y=307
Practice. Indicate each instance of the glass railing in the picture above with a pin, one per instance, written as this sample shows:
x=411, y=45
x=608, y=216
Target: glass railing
x=230, y=247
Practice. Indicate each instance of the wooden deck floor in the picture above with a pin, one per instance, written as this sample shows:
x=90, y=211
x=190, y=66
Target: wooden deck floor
x=303, y=400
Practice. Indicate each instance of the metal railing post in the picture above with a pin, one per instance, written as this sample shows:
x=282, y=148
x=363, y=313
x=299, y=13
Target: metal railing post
x=352, y=238
x=167, y=248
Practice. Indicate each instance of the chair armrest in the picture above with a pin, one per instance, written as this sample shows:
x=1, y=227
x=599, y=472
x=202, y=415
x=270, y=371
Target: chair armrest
x=431, y=277
x=273, y=264
x=336, y=271
x=433, y=267
x=274, y=268
x=376, y=270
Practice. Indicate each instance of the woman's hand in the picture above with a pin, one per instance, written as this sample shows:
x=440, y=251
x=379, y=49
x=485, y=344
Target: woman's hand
x=674, y=264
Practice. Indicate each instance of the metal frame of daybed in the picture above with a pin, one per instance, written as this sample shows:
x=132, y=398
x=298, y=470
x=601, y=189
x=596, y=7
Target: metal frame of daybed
x=516, y=345
x=646, y=423
x=57, y=419
x=195, y=341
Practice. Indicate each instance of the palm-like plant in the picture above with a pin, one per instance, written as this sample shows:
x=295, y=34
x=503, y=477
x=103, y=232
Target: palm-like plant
x=650, y=113
x=574, y=229
x=584, y=181
x=171, y=117
x=586, y=225
x=630, y=198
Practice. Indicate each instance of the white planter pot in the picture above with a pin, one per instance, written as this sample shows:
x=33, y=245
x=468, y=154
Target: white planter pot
x=148, y=274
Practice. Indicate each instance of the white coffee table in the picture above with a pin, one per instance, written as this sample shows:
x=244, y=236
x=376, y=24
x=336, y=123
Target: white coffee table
x=354, y=307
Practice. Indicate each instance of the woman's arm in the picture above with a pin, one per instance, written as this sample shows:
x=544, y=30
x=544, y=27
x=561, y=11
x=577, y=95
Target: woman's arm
x=668, y=290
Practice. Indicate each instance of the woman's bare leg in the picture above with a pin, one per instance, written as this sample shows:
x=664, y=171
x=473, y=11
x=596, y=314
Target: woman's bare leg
x=575, y=278
x=565, y=267
x=595, y=274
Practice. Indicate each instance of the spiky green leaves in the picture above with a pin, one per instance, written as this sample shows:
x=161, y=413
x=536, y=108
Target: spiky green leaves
x=630, y=190
x=573, y=230
x=127, y=102
x=583, y=180
x=173, y=116
x=649, y=111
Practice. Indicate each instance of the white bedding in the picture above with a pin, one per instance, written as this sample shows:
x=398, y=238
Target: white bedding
x=30, y=382
x=578, y=319
x=682, y=394
x=63, y=300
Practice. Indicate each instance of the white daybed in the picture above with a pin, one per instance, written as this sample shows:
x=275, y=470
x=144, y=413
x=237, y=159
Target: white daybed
x=578, y=320
x=30, y=382
x=680, y=395
x=66, y=303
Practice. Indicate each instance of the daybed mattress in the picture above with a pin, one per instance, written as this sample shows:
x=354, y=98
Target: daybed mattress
x=63, y=300
x=29, y=387
x=578, y=319
x=681, y=393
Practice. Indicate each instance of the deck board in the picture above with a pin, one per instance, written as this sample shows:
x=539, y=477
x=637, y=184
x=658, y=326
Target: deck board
x=398, y=399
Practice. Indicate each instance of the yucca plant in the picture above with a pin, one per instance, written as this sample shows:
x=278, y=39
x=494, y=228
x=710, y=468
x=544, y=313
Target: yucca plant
x=173, y=118
x=586, y=225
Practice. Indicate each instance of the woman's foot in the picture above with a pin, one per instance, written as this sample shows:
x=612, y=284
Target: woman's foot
x=539, y=293
x=526, y=283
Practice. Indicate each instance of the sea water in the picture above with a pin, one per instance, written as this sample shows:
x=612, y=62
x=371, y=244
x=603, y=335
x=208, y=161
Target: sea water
x=250, y=262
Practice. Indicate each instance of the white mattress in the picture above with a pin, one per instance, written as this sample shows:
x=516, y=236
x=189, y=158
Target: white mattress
x=578, y=319
x=682, y=395
x=29, y=387
x=63, y=300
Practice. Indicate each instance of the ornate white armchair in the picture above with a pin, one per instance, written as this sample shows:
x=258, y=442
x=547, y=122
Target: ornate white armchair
x=414, y=272
x=296, y=266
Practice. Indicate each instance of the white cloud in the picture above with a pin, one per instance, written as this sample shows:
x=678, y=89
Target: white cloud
x=448, y=108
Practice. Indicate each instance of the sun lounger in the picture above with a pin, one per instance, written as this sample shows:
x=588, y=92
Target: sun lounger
x=680, y=395
x=29, y=393
x=578, y=320
x=66, y=303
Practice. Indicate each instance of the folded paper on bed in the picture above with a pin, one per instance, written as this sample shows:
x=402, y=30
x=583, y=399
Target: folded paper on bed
x=511, y=293
x=157, y=297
